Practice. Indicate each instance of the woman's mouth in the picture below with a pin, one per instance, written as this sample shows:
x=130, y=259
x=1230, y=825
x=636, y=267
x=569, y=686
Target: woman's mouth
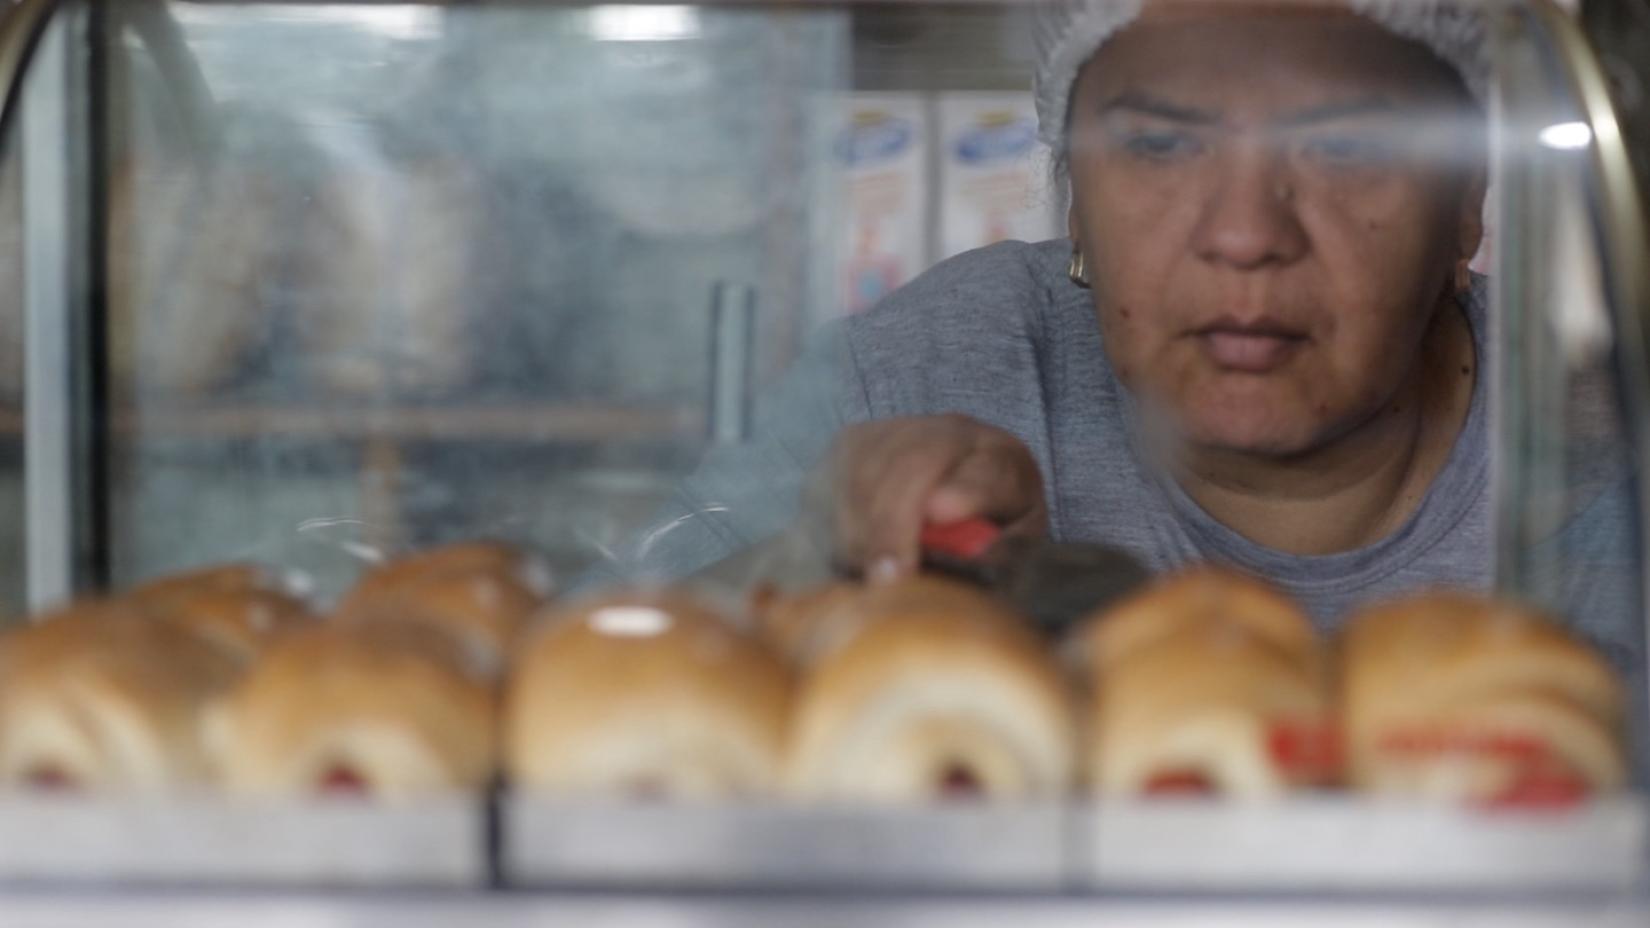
x=1255, y=347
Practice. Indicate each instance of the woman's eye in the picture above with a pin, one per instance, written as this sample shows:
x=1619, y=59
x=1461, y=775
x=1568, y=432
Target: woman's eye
x=1347, y=151
x=1160, y=146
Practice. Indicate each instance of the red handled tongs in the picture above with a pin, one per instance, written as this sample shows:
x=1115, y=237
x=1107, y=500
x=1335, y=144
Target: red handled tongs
x=1055, y=583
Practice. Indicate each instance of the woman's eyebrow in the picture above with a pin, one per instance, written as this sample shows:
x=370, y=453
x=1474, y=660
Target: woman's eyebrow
x=1136, y=101
x=1344, y=109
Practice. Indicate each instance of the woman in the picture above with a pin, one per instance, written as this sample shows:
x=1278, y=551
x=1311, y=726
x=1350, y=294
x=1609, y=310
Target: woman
x=1261, y=344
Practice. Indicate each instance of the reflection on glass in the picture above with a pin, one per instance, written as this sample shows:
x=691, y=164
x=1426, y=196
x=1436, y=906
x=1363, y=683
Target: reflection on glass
x=426, y=279
x=12, y=592
x=436, y=274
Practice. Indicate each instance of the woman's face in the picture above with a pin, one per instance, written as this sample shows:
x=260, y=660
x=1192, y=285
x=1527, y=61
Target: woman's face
x=1272, y=207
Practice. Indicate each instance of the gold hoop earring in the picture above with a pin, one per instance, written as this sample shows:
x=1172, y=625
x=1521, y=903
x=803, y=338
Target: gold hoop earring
x=1076, y=270
x=1463, y=277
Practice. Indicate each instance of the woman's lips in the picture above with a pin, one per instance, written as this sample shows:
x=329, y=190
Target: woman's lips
x=1254, y=348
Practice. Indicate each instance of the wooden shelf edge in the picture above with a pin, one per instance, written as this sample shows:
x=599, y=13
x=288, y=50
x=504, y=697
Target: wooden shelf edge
x=565, y=422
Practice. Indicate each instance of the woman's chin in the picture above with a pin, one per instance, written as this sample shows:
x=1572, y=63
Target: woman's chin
x=1250, y=435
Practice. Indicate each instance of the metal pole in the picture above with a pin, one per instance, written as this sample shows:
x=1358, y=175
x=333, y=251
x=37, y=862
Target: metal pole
x=732, y=354
x=64, y=408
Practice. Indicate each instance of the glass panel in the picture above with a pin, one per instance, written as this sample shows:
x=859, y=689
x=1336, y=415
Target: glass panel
x=385, y=276
x=12, y=566
x=610, y=280
x=437, y=280
x=1570, y=535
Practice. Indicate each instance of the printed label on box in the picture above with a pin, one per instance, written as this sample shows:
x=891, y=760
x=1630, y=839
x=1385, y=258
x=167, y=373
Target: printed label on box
x=881, y=146
x=994, y=177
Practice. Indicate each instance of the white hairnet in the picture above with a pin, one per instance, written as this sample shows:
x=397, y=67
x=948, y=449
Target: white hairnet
x=1068, y=32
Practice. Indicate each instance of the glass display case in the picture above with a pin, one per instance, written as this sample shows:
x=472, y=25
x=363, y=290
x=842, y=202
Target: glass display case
x=314, y=285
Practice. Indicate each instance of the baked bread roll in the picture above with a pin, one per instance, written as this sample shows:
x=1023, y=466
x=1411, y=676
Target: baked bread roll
x=234, y=577
x=1455, y=696
x=1208, y=683
x=238, y=608
x=483, y=593
x=646, y=694
x=375, y=709
x=810, y=624
x=100, y=698
x=1201, y=597
x=938, y=692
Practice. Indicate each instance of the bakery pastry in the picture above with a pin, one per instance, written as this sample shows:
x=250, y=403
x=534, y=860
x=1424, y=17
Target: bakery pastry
x=239, y=608
x=1207, y=682
x=100, y=698
x=376, y=709
x=233, y=577
x=650, y=694
x=1457, y=696
x=1204, y=596
x=483, y=593
x=809, y=624
x=937, y=691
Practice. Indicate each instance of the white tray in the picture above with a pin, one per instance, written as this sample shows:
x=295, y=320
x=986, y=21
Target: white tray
x=439, y=842
x=1336, y=844
x=754, y=846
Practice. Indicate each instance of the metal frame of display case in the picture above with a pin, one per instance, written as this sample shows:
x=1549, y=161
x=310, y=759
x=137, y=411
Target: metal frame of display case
x=530, y=878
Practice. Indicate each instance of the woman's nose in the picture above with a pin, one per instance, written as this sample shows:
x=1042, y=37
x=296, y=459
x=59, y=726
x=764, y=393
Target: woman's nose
x=1249, y=218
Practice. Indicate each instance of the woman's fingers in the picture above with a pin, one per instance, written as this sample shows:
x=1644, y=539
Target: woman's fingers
x=887, y=479
x=995, y=480
x=892, y=517
x=887, y=471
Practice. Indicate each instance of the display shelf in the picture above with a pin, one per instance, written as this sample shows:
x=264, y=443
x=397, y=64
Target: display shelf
x=1327, y=844
x=1008, y=847
x=435, y=842
x=1311, y=862
x=40, y=906
x=1332, y=844
x=1323, y=845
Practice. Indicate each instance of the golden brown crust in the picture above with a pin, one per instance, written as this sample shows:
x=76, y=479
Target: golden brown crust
x=227, y=578
x=241, y=622
x=936, y=677
x=1461, y=671
x=1204, y=596
x=1431, y=646
x=791, y=623
x=646, y=691
x=1210, y=702
x=807, y=626
x=390, y=705
x=458, y=557
x=484, y=593
x=1197, y=676
x=105, y=699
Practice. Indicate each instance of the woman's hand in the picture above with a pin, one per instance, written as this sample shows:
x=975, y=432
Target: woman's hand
x=883, y=481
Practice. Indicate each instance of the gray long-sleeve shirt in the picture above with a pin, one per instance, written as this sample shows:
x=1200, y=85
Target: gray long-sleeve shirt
x=1002, y=335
